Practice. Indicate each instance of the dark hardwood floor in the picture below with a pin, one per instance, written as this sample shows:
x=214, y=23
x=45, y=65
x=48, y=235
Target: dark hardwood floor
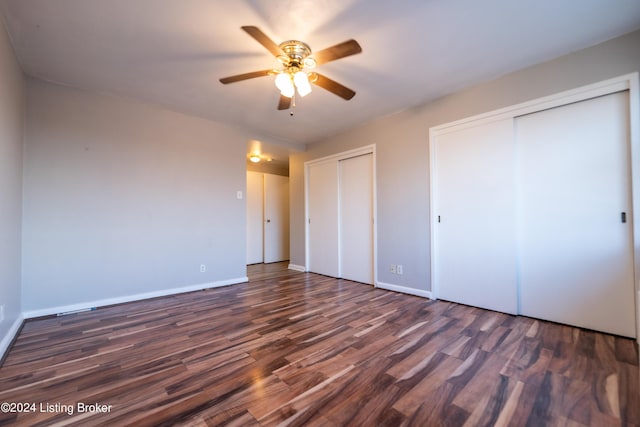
x=291, y=348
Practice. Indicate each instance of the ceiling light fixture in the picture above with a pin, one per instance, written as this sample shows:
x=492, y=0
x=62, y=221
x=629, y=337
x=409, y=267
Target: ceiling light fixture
x=301, y=80
x=285, y=84
x=255, y=158
x=291, y=79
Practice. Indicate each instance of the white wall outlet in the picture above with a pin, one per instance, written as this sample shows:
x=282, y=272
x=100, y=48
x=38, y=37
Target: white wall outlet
x=239, y=194
x=1, y=313
x=203, y=268
x=399, y=269
x=392, y=269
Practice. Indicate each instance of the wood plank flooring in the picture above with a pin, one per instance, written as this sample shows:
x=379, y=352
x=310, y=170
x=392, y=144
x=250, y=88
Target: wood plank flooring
x=301, y=349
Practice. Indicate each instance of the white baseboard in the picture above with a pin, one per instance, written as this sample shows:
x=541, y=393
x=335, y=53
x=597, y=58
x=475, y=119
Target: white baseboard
x=297, y=268
x=128, y=298
x=404, y=290
x=11, y=333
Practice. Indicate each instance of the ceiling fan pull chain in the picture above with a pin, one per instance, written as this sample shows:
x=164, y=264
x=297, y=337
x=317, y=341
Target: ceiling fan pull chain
x=293, y=104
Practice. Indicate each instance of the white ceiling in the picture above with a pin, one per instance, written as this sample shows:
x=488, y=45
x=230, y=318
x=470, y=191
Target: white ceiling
x=172, y=52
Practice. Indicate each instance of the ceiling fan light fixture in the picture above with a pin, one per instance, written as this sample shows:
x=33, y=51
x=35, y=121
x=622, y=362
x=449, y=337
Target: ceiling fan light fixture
x=283, y=81
x=289, y=91
x=255, y=158
x=285, y=84
x=301, y=81
x=304, y=91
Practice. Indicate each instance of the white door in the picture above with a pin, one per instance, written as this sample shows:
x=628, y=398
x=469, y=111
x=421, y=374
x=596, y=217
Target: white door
x=356, y=218
x=323, y=218
x=276, y=218
x=254, y=195
x=575, y=250
x=474, y=224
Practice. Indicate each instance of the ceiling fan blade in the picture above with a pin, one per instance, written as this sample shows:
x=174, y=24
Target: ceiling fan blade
x=332, y=86
x=341, y=50
x=245, y=76
x=263, y=39
x=284, y=103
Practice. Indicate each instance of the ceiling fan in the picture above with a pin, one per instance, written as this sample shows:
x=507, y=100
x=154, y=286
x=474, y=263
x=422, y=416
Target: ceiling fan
x=296, y=58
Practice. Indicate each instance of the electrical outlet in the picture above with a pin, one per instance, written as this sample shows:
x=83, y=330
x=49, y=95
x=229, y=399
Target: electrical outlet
x=399, y=269
x=203, y=268
x=1, y=313
x=392, y=269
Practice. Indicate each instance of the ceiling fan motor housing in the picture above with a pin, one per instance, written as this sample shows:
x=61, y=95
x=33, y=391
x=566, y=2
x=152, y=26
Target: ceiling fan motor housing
x=297, y=55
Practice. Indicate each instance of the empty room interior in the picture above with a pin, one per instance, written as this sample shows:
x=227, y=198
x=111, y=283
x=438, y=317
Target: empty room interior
x=336, y=213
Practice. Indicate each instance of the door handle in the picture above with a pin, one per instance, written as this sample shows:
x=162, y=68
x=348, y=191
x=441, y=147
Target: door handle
x=623, y=217
x=268, y=220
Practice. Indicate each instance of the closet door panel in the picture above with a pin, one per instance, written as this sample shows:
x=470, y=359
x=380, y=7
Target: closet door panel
x=576, y=263
x=323, y=219
x=356, y=218
x=474, y=224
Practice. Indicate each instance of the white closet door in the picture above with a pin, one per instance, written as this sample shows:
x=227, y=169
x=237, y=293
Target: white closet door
x=576, y=253
x=474, y=229
x=356, y=218
x=323, y=219
x=254, y=195
x=276, y=218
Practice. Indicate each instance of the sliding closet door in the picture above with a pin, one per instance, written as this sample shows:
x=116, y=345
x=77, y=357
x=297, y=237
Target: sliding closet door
x=474, y=224
x=356, y=218
x=323, y=219
x=576, y=250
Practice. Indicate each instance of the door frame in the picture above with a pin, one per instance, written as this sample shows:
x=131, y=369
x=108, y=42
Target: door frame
x=368, y=149
x=625, y=82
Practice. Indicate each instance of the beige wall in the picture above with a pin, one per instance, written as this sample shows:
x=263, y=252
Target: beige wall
x=402, y=151
x=125, y=199
x=12, y=106
x=122, y=198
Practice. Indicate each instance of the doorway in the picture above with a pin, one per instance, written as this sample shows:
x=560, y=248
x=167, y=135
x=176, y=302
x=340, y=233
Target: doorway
x=267, y=218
